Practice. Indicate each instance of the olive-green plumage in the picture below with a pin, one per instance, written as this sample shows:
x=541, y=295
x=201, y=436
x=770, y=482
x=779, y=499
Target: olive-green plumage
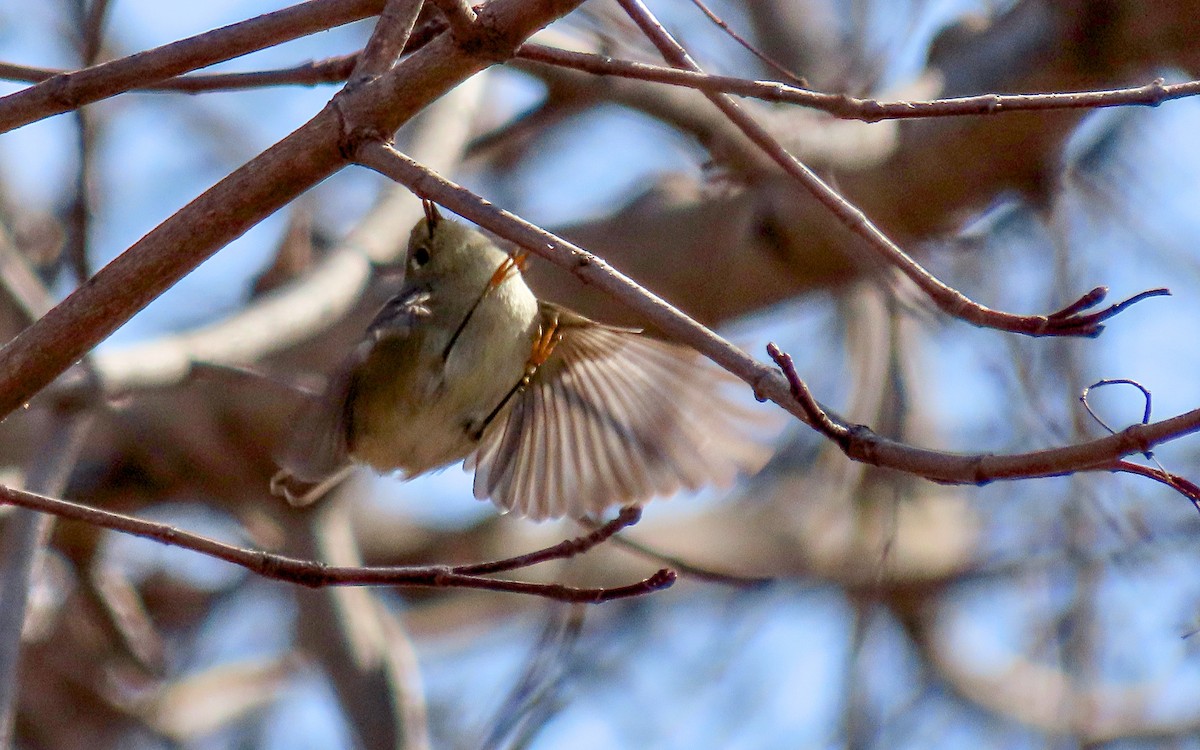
x=450, y=370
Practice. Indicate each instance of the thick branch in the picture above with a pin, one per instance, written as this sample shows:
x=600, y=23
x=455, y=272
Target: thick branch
x=70, y=90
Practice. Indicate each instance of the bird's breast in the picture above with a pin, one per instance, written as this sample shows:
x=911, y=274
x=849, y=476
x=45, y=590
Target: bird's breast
x=431, y=418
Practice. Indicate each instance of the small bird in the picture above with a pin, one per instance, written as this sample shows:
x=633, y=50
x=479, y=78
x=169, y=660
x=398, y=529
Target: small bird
x=557, y=414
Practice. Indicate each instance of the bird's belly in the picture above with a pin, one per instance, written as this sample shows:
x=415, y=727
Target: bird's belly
x=413, y=441
x=436, y=419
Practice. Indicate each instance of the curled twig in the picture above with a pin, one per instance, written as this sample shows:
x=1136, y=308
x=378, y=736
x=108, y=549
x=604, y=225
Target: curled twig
x=1083, y=397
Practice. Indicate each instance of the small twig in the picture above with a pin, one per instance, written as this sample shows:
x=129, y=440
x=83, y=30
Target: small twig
x=766, y=59
x=690, y=570
x=316, y=574
x=534, y=697
x=1185, y=487
x=89, y=17
x=569, y=548
x=388, y=40
x=851, y=108
x=817, y=417
x=1083, y=397
x=20, y=282
x=329, y=70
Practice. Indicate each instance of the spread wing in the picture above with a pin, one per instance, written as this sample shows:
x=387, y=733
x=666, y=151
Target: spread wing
x=613, y=417
x=318, y=447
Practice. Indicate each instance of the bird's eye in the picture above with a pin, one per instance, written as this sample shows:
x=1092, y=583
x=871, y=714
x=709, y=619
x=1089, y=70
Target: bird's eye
x=420, y=257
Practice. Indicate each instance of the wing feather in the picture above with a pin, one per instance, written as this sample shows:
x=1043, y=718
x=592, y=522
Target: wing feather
x=614, y=417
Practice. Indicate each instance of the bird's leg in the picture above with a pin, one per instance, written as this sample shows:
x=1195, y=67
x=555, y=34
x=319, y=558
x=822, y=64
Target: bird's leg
x=516, y=261
x=542, y=349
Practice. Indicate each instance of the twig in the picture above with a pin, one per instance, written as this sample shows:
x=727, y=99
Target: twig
x=1065, y=322
x=537, y=694
x=1083, y=397
x=70, y=90
x=1185, y=487
x=20, y=282
x=89, y=17
x=330, y=70
x=763, y=57
x=852, y=108
x=388, y=40
x=815, y=414
x=769, y=384
x=569, y=548
x=318, y=575
x=337, y=69
x=690, y=570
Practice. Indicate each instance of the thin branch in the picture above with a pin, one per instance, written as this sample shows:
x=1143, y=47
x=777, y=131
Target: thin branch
x=1183, y=486
x=20, y=282
x=861, y=444
x=89, y=17
x=71, y=90
x=1065, y=322
x=763, y=57
x=537, y=695
x=312, y=73
x=318, y=575
x=565, y=549
x=814, y=414
x=337, y=69
x=690, y=570
x=388, y=40
x=1083, y=397
x=847, y=107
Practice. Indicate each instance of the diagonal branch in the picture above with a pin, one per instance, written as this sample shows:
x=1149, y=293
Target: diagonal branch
x=1070, y=321
x=857, y=441
x=388, y=40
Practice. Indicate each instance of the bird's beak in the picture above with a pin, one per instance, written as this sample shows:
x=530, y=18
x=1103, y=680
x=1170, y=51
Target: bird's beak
x=432, y=217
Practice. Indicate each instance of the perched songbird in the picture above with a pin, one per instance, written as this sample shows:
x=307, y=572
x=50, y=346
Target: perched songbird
x=557, y=414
